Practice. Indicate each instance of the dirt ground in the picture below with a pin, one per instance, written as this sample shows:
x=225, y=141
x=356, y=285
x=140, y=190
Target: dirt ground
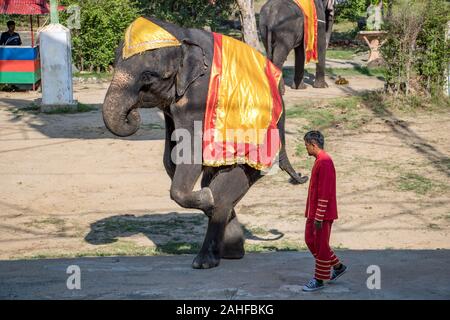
x=68, y=187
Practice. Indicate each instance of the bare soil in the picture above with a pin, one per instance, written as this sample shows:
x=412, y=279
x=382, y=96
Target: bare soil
x=68, y=187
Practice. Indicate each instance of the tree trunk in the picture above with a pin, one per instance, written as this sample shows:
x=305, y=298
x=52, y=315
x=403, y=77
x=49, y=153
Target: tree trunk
x=248, y=22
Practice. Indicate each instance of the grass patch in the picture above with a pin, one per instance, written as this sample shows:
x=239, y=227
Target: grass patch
x=433, y=226
x=121, y=248
x=80, y=108
x=91, y=75
x=256, y=231
x=288, y=72
x=343, y=54
x=47, y=221
x=320, y=115
x=129, y=248
x=275, y=246
x=382, y=104
x=417, y=183
x=355, y=71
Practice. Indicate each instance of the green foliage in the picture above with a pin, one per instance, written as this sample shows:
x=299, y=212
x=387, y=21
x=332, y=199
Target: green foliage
x=189, y=13
x=416, y=50
x=420, y=184
x=351, y=10
x=434, y=50
x=103, y=23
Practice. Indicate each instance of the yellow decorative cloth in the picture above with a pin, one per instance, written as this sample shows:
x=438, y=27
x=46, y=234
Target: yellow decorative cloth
x=310, y=29
x=143, y=35
x=243, y=107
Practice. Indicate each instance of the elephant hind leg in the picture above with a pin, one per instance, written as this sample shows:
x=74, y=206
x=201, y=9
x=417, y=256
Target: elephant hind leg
x=228, y=187
x=299, y=67
x=280, y=54
x=233, y=242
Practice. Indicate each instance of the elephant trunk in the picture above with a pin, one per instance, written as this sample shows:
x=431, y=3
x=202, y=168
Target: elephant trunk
x=120, y=112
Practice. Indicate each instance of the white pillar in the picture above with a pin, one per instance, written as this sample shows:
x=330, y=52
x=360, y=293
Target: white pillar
x=56, y=67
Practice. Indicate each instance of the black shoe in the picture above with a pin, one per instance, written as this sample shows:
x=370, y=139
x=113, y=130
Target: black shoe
x=337, y=273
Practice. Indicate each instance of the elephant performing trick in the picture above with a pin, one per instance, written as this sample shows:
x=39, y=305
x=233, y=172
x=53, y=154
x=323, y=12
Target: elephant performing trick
x=194, y=76
x=301, y=25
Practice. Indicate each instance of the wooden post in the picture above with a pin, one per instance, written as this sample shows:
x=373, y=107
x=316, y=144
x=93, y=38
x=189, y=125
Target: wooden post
x=447, y=87
x=32, y=32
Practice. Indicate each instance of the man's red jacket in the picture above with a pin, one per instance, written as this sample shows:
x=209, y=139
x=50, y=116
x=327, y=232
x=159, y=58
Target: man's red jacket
x=321, y=204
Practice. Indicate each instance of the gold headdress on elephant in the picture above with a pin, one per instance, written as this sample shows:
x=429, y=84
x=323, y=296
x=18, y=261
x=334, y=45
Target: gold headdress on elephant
x=143, y=35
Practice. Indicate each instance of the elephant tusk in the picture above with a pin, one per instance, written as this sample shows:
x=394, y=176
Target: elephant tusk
x=321, y=21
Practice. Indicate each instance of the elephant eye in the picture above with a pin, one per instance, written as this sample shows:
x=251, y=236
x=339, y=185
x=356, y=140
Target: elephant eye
x=148, y=76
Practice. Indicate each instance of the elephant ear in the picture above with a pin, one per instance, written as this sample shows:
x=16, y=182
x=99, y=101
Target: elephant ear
x=193, y=65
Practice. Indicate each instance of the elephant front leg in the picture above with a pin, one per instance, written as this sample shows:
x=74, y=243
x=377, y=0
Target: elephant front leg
x=320, y=82
x=183, y=182
x=211, y=251
x=223, y=238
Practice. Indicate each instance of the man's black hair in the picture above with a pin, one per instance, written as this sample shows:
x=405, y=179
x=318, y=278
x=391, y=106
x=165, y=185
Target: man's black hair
x=10, y=23
x=315, y=136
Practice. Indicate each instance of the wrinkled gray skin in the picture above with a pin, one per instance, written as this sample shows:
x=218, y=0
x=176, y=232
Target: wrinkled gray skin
x=281, y=24
x=176, y=80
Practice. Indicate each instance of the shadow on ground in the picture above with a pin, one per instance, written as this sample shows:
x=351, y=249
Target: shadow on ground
x=172, y=233
x=87, y=123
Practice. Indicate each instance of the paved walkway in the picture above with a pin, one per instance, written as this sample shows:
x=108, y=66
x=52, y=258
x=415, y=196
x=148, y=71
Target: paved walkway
x=405, y=274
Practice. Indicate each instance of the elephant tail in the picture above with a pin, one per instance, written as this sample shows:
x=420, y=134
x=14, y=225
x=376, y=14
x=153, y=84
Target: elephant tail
x=265, y=31
x=285, y=165
x=269, y=44
x=283, y=160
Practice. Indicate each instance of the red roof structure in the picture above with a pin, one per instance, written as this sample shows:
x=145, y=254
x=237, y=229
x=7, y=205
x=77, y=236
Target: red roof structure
x=25, y=7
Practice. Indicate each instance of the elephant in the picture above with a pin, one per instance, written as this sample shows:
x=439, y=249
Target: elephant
x=175, y=80
x=281, y=25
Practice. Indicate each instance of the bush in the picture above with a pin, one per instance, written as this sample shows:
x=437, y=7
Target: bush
x=351, y=10
x=103, y=23
x=189, y=13
x=416, y=51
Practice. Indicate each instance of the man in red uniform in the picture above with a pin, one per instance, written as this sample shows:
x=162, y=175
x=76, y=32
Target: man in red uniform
x=321, y=211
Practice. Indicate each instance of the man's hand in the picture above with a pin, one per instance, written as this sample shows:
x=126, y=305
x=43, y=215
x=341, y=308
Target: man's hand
x=318, y=224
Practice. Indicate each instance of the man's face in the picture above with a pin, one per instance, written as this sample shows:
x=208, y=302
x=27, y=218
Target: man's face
x=310, y=148
x=11, y=27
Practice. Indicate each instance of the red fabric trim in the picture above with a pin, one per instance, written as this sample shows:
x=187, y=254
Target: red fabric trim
x=315, y=53
x=244, y=151
x=213, y=96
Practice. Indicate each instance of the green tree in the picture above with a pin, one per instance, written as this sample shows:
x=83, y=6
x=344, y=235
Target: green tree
x=417, y=52
x=434, y=48
x=103, y=23
x=189, y=13
x=351, y=10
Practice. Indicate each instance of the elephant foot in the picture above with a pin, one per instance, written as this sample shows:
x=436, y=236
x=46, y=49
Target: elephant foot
x=205, y=261
x=320, y=84
x=301, y=86
x=206, y=200
x=233, y=251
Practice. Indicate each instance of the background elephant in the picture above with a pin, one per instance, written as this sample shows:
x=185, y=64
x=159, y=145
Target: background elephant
x=175, y=80
x=281, y=25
